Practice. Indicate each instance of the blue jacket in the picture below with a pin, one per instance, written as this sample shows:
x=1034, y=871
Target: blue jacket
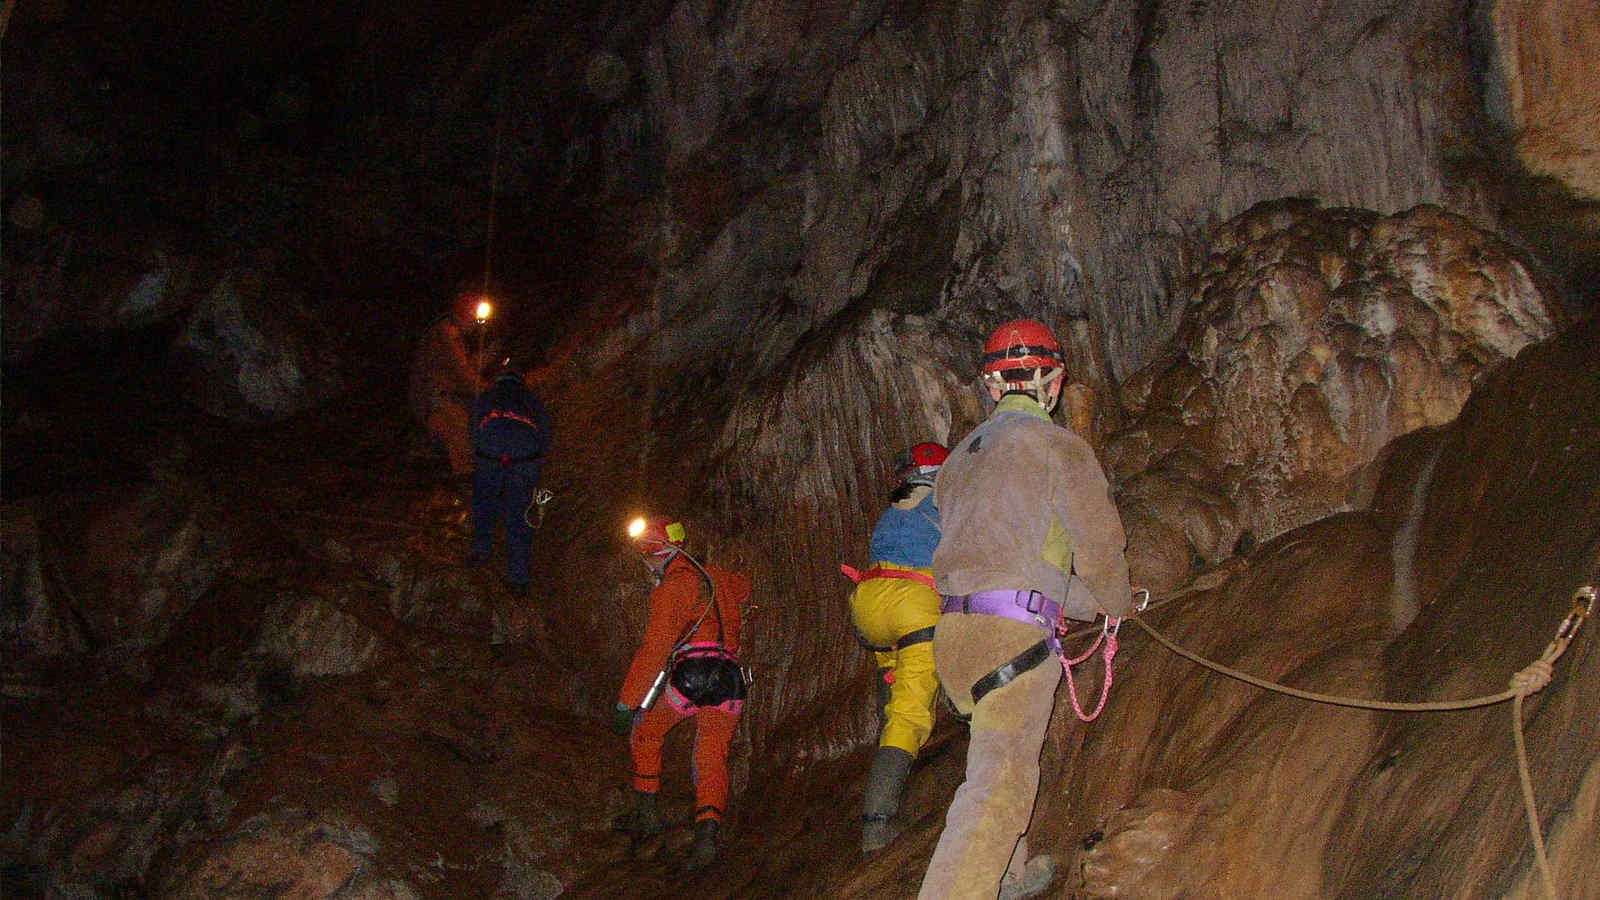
x=509, y=422
x=906, y=537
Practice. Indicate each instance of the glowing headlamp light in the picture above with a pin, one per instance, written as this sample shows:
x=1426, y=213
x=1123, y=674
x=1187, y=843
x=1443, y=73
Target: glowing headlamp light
x=484, y=310
x=637, y=528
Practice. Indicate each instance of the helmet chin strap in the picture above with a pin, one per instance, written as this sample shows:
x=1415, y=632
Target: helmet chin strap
x=1037, y=387
x=658, y=569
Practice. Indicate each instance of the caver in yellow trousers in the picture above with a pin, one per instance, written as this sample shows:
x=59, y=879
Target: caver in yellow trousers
x=887, y=609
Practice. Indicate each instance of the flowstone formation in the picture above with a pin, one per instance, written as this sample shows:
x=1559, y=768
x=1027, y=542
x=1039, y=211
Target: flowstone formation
x=1312, y=338
x=1454, y=579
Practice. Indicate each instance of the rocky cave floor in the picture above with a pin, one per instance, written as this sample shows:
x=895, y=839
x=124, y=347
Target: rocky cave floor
x=449, y=767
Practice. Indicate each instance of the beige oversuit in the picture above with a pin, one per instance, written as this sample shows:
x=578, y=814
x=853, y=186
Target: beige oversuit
x=1025, y=506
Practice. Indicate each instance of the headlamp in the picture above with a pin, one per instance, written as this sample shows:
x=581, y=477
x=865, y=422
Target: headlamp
x=640, y=529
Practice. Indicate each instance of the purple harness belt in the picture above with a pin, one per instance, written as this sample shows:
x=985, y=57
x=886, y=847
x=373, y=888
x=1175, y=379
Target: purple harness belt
x=1030, y=607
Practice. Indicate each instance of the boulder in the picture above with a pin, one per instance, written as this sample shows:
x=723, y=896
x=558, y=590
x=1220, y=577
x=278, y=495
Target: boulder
x=289, y=853
x=134, y=562
x=252, y=350
x=316, y=635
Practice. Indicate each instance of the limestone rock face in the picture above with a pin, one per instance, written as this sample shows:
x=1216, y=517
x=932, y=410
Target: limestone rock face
x=1313, y=338
x=1541, y=86
x=142, y=562
x=292, y=852
x=1193, y=784
x=1052, y=159
x=316, y=636
x=254, y=352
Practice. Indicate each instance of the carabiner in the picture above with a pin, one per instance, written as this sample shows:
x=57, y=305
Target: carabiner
x=1111, y=625
x=1142, y=603
x=1582, y=606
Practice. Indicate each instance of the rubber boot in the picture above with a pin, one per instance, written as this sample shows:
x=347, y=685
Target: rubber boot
x=644, y=821
x=704, y=850
x=1037, y=874
x=885, y=783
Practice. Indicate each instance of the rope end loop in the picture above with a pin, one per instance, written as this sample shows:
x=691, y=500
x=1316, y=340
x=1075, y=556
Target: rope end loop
x=1532, y=679
x=1536, y=675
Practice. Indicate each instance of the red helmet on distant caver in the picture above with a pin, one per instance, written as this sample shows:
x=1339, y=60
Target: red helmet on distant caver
x=1021, y=344
x=1023, y=357
x=921, y=463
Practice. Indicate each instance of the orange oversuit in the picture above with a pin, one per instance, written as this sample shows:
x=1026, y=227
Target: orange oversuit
x=675, y=605
x=444, y=380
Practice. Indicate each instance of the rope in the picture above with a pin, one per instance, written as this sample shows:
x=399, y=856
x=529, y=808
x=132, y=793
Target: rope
x=494, y=178
x=1108, y=633
x=1109, y=654
x=1528, y=681
x=537, y=500
x=1525, y=778
x=1315, y=697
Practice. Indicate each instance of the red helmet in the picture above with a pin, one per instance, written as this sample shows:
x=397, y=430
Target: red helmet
x=653, y=535
x=1022, y=344
x=921, y=462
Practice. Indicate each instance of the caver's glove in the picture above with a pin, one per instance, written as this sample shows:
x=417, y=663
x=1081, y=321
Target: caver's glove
x=622, y=718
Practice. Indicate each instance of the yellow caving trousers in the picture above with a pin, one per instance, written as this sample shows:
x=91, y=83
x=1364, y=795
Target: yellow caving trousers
x=884, y=609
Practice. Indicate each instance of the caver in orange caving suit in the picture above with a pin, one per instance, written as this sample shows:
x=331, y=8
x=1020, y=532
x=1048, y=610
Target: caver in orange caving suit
x=444, y=381
x=672, y=637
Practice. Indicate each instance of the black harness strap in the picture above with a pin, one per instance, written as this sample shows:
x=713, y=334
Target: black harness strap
x=507, y=460
x=1023, y=662
x=920, y=636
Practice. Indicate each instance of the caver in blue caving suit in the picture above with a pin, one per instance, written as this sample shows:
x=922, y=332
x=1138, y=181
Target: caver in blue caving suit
x=510, y=435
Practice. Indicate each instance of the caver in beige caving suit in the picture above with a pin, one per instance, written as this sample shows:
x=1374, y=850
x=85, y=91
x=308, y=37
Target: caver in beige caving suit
x=1028, y=528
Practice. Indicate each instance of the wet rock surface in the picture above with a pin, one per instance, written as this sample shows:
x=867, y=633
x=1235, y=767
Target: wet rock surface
x=1415, y=607
x=1313, y=338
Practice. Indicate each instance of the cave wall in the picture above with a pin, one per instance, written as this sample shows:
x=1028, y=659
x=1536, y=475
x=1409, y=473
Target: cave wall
x=1536, y=89
x=1454, y=579
x=1313, y=338
x=791, y=280
x=1086, y=147
x=968, y=162
x=817, y=213
x=1056, y=159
